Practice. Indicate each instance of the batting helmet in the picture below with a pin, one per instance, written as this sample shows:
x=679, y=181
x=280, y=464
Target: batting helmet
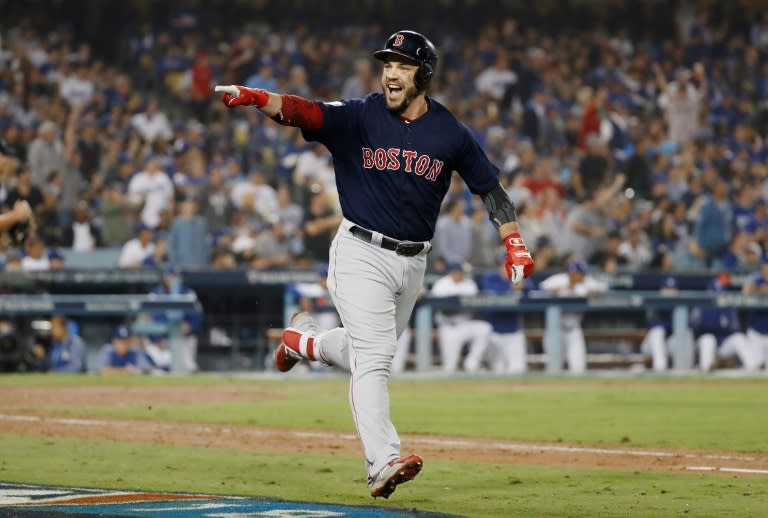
x=417, y=48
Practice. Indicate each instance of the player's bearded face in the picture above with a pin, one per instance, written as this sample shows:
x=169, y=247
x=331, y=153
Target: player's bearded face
x=397, y=83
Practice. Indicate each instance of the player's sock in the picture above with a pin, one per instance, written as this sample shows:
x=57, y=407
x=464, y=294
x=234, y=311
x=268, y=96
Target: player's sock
x=300, y=344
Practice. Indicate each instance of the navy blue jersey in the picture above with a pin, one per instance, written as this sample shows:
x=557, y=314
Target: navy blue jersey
x=392, y=174
x=720, y=322
x=757, y=319
x=110, y=358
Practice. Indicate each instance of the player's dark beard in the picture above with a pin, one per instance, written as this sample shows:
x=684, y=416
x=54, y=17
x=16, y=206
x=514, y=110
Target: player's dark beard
x=409, y=95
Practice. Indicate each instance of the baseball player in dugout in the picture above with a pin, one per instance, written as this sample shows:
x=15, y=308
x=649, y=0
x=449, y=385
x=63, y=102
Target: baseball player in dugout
x=393, y=153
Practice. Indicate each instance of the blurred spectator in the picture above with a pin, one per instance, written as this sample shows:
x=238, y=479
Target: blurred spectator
x=360, y=83
x=201, y=85
x=290, y=213
x=67, y=350
x=222, y=260
x=534, y=116
x=314, y=166
x=152, y=190
x=90, y=148
x=35, y=256
x=82, y=234
x=713, y=224
x=485, y=240
x=453, y=233
x=136, y=250
x=682, y=102
x=257, y=194
x=152, y=124
x=158, y=259
x=118, y=215
x=594, y=113
x=120, y=355
x=214, y=200
x=47, y=217
x=320, y=224
x=76, y=88
x=638, y=170
x=497, y=78
x=272, y=248
x=635, y=250
x=188, y=241
x=25, y=190
x=593, y=168
x=46, y=153
x=608, y=258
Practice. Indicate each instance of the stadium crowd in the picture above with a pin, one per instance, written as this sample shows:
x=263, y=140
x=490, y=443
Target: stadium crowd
x=620, y=148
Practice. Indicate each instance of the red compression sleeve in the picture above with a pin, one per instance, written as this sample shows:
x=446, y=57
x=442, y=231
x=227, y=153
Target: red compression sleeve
x=300, y=112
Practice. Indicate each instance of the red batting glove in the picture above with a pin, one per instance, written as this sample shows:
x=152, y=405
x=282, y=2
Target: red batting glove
x=519, y=262
x=236, y=95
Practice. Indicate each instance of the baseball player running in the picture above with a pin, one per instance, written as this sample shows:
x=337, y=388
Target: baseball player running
x=393, y=154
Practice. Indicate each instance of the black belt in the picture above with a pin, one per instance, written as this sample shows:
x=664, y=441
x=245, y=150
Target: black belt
x=406, y=248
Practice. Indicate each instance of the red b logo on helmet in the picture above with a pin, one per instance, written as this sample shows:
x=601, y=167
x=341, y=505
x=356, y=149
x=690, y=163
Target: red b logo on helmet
x=398, y=40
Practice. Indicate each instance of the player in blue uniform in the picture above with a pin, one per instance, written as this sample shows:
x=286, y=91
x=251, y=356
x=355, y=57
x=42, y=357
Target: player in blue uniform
x=507, y=352
x=659, y=336
x=757, y=319
x=190, y=326
x=393, y=153
x=718, y=332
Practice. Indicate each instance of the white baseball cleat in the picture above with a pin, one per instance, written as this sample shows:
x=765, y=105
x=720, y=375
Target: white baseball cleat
x=395, y=473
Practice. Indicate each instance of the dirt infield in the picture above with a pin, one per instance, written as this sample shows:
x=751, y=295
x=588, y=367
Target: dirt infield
x=23, y=412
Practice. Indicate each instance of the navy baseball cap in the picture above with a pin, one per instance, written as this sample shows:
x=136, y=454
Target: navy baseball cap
x=122, y=332
x=577, y=266
x=669, y=283
x=171, y=270
x=454, y=267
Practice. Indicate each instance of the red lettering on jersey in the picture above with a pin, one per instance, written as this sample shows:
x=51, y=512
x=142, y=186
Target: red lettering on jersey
x=380, y=159
x=367, y=158
x=409, y=156
x=422, y=164
x=392, y=154
x=398, y=40
x=434, y=171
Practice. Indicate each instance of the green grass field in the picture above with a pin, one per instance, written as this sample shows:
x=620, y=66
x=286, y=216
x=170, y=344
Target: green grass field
x=694, y=413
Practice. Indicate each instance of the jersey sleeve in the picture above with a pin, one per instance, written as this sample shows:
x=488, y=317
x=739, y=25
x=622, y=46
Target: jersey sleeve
x=339, y=118
x=473, y=165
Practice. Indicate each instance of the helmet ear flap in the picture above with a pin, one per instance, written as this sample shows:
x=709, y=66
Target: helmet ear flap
x=423, y=76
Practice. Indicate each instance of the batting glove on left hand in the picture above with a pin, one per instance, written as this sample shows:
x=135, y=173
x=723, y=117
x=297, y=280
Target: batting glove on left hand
x=519, y=262
x=235, y=95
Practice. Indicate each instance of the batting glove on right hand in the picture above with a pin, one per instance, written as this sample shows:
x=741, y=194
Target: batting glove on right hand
x=235, y=95
x=519, y=262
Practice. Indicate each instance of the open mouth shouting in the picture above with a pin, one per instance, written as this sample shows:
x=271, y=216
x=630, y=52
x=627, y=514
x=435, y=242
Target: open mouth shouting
x=394, y=91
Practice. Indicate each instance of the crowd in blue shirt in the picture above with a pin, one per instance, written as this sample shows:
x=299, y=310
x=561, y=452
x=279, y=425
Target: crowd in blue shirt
x=635, y=147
